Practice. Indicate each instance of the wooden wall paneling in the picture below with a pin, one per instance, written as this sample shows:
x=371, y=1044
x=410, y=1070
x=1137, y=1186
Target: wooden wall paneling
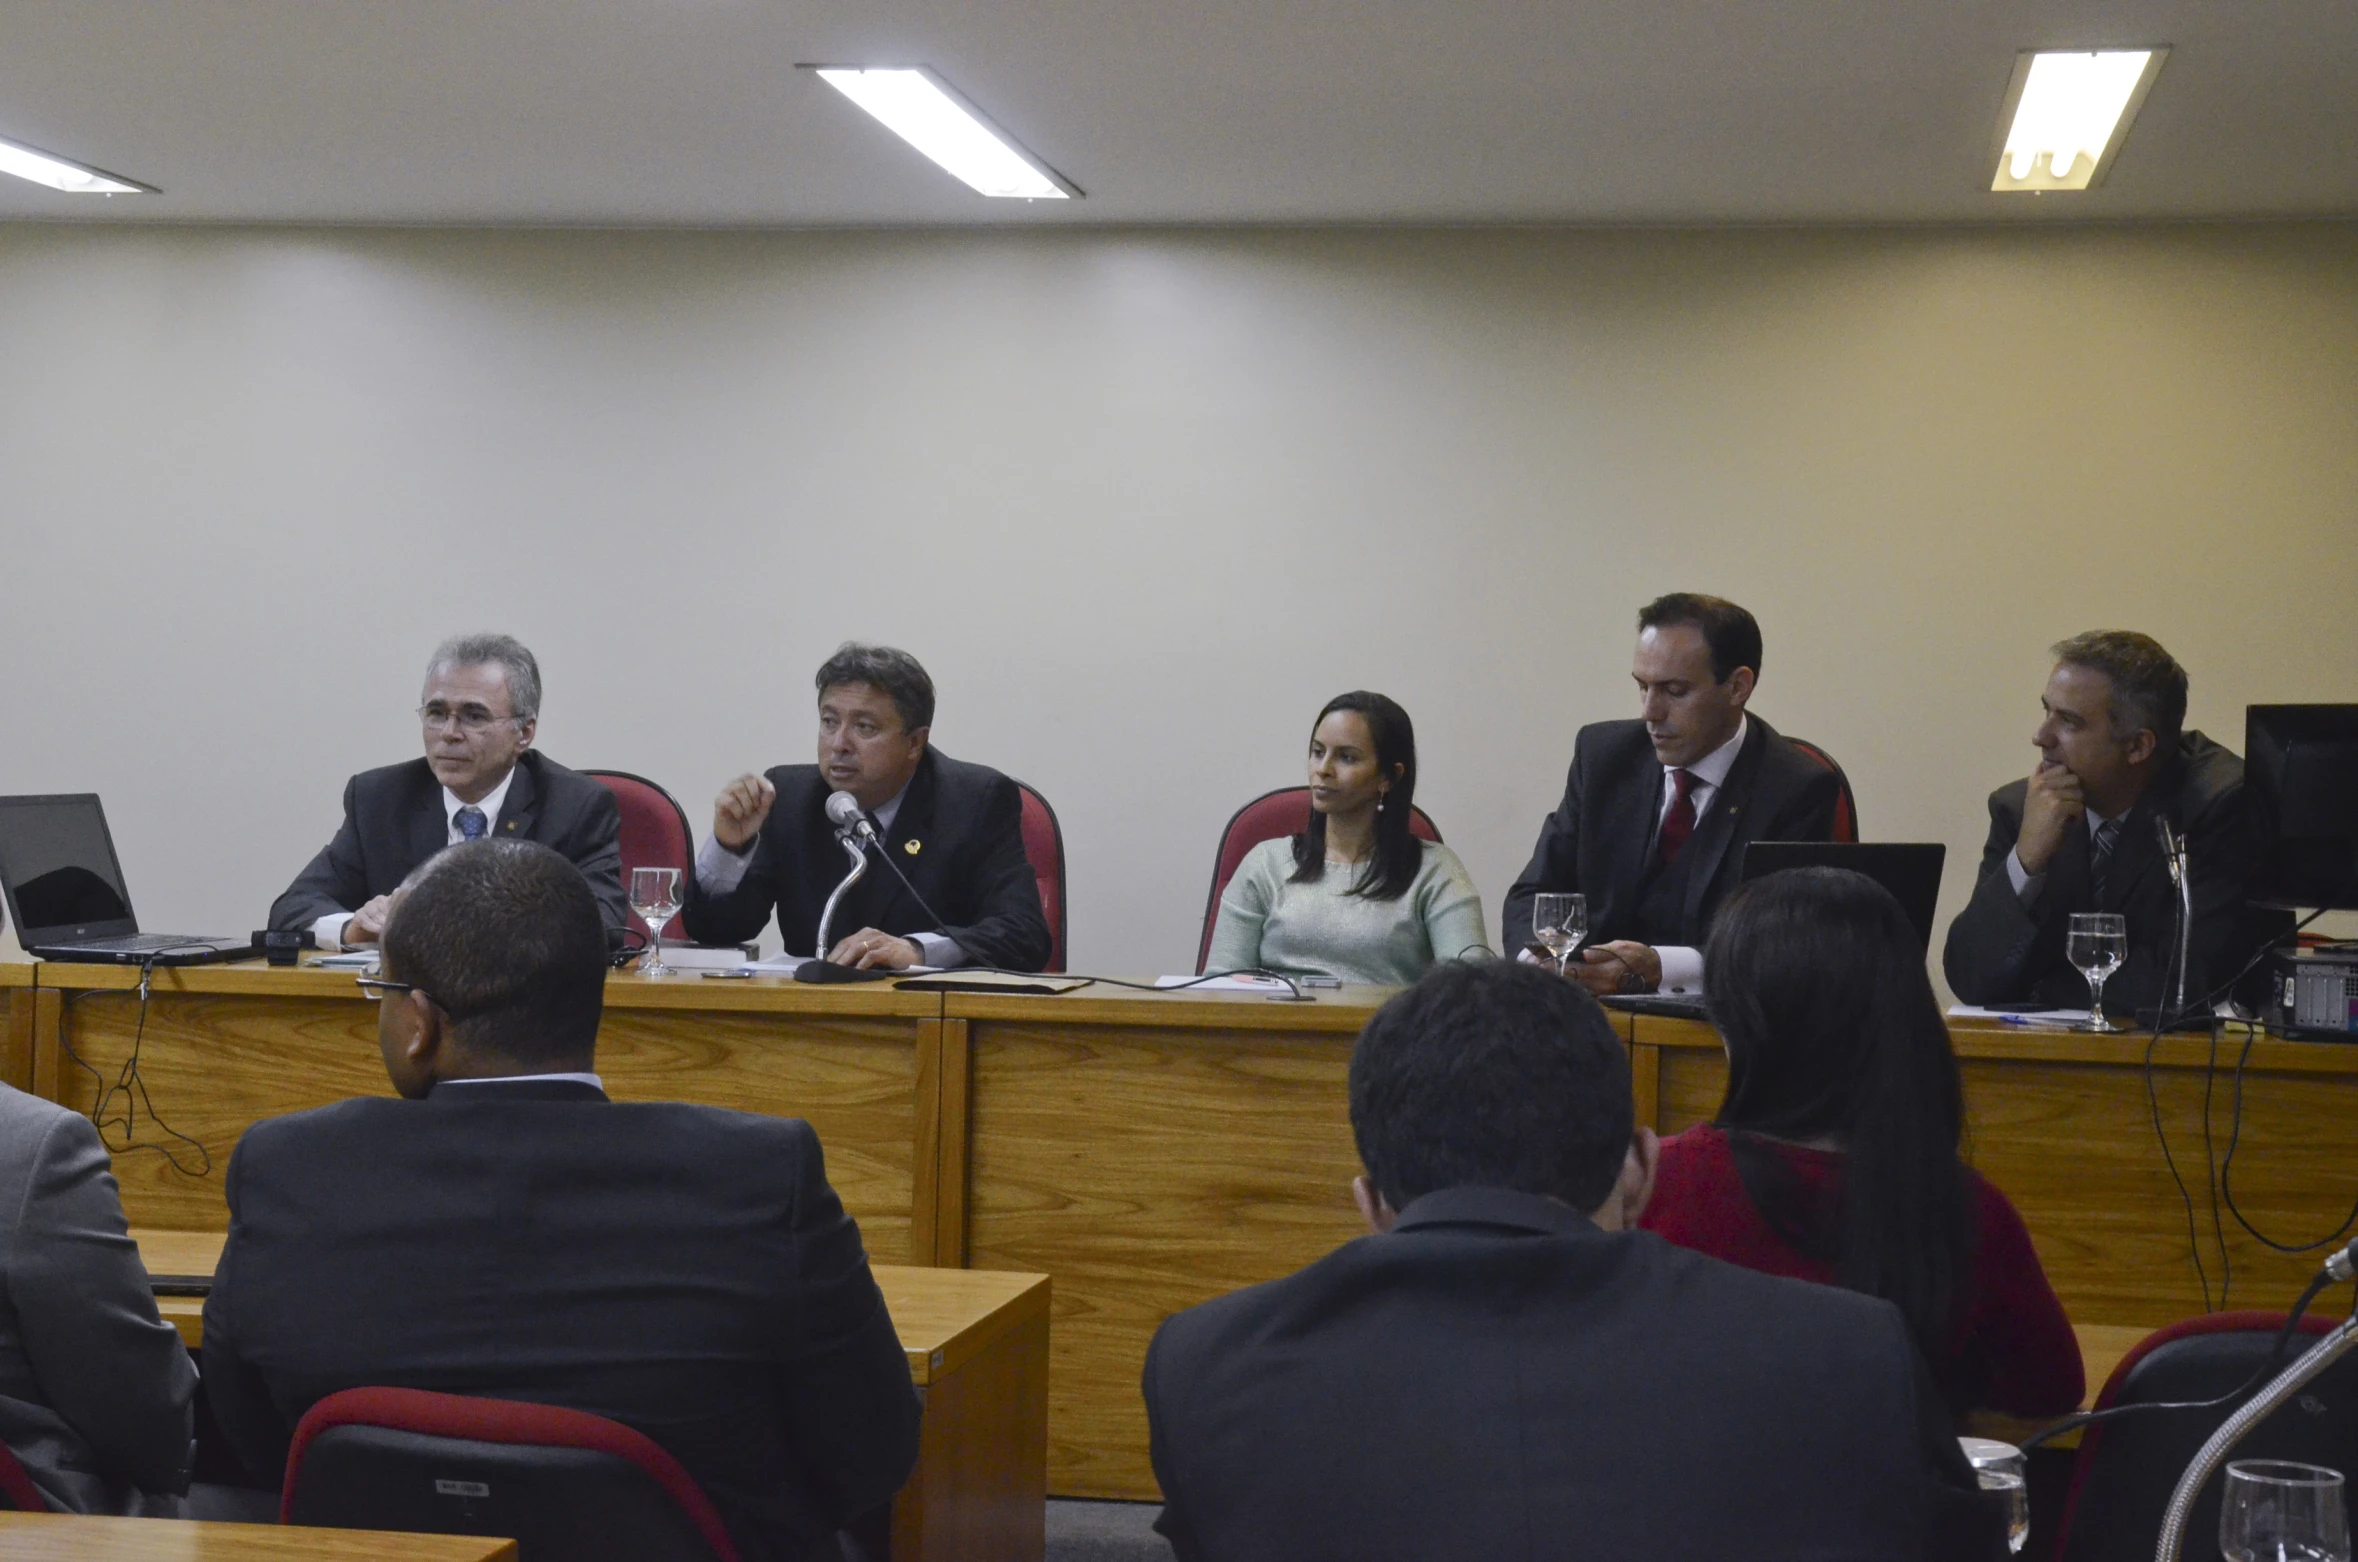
x=1150, y=1157
x=952, y=1103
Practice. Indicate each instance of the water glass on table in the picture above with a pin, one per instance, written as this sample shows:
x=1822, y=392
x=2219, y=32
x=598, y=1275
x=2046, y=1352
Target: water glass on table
x=2097, y=942
x=2001, y=1471
x=655, y=896
x=2273, y=1510
x=1559, y=922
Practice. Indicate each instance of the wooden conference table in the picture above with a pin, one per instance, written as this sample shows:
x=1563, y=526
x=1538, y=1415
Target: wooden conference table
x=1154, y=1150
x=65, y=1537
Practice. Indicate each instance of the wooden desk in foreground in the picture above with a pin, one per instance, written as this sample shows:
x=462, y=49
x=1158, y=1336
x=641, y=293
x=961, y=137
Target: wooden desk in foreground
x=65, y=1537
x=977, y=1342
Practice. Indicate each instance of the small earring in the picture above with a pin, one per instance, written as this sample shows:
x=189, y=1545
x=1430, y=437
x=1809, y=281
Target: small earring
x=1379, y=802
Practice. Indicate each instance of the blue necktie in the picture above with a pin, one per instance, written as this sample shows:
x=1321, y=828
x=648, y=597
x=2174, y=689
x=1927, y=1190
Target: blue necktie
x=2100, y=846
x=472, y=825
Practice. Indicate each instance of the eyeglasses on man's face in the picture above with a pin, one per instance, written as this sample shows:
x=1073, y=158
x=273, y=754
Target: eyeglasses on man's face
x=470, y=718
x=376, y=988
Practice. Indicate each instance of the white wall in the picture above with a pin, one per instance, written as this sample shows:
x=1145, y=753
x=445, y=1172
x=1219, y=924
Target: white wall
x=1141, y=501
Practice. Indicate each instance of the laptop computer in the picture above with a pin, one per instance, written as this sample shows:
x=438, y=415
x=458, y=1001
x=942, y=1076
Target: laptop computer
x=65, y=890
x=1910, y=872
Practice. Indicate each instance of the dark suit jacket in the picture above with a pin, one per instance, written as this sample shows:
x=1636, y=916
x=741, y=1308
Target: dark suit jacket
x=95, y=1390
x=966, y=823
x=682, y=1269
x=1497, y=1378
x=2002, y=951
x=1600, y=841
x=393, y=820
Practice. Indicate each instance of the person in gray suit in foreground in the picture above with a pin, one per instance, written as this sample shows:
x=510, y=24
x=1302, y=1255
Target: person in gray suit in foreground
x=96, y=1393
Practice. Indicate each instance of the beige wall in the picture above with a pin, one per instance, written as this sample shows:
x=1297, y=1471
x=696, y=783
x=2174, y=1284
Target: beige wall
x=1141, y=501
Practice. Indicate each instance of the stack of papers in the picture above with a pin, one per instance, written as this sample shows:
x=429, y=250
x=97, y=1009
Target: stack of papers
x=2053, y=1019
x=1225, y=984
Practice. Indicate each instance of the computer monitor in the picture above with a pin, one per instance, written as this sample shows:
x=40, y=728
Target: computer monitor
x=2300, y=771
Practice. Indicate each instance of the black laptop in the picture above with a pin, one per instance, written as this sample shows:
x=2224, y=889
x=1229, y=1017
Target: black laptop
x=65, y=890
x=1910, y=872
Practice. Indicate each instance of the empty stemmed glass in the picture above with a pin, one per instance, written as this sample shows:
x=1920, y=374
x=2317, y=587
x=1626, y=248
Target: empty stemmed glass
x=2097, y=942
x=1559, y=922
x=2000, y=1469
x=655, y=896
x=2275, y=1511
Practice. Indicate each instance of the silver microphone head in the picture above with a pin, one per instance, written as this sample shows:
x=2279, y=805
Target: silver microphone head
x=843, y=811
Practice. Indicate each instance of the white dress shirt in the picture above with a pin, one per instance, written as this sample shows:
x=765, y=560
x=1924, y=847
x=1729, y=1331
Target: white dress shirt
x=1682, y=965
x=579, y=1079
x=328, y=931
x=720, y=870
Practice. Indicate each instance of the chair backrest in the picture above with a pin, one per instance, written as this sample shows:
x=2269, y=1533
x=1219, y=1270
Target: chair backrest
x=1043, y=846
x=1846, y=811
x=2126, y=1469
x=1285, y=811
x=18, y=1494
x=655, y=834
x=565, y=1485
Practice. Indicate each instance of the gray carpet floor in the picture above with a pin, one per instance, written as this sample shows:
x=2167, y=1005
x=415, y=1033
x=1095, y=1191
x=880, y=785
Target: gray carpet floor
x=1104, y=1532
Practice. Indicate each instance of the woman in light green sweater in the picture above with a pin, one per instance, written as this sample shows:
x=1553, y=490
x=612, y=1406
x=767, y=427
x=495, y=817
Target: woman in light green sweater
x=1355, y=896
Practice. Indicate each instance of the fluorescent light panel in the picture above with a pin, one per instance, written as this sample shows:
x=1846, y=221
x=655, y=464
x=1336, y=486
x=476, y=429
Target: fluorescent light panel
x=914, y=106
x=2071, y=112
x=59, y=174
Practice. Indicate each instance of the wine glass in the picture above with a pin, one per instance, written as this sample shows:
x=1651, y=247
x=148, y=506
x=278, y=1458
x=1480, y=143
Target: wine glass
x=2097, y=942
x=2276, y=1511
x=1559, y=922
x=1999, y=1468
x=655, y=896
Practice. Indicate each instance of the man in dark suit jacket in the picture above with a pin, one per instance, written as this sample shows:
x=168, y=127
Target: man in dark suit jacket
x=1657, y=811
x=505, y=1230
x=95, y=1390
x=2079, y=835
x=480, y=777
x=1505, y=1370
x=954, y=830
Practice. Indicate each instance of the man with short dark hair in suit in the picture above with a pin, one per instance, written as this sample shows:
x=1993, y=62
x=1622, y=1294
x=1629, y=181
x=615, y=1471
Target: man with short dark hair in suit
x=1504, y=1369
x=2079, y=835
x=505, y=1230
x=481, y=777
x=1657, y=811
x=954, y=830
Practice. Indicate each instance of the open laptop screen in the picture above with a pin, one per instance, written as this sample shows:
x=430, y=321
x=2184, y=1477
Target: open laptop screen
x=58, y=865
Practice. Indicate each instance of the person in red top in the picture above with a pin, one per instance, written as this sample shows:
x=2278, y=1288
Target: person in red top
x=1834, y=1156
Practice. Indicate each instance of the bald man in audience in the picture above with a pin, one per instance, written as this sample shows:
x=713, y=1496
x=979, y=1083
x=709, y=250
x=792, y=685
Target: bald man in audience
x=504, y=1229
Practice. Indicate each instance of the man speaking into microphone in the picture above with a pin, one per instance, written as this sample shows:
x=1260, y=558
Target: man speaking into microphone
x=953, y=830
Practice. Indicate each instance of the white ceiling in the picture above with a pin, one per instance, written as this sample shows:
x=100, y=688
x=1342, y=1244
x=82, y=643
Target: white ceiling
x=689, y=112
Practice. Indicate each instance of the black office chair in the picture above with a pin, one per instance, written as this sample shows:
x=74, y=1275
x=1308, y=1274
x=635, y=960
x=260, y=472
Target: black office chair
x=2127, y=1469
x=565, y=1485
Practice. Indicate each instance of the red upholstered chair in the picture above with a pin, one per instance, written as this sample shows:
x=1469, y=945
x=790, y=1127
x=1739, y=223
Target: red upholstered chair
x=655, y=834
x=1285, y=811
x=2126, y=1469
x=1846, y=812
x=1043, y=846
x=17, y=1492
x=565, y=1485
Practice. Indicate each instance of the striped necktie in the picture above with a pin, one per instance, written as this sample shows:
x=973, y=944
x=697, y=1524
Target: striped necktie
x=2100, y=844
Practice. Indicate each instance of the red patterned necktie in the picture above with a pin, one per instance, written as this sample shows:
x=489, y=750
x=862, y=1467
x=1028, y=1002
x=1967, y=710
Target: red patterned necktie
x=1679, y=822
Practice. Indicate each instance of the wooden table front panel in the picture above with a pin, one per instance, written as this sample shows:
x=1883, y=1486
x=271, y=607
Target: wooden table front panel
x=224, y=1047
x=1149, y=1165
x=2063, y=1125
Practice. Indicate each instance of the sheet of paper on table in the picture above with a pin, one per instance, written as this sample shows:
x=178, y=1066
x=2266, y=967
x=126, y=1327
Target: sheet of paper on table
x=2052, y=1019
x=1225, y=984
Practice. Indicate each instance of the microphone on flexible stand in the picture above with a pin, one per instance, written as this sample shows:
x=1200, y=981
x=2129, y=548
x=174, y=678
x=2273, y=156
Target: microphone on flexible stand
x=843, y=811
x=2173, y=847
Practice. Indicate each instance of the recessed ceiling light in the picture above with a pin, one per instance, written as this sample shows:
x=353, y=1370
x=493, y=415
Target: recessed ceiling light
x=919, y=108
x=59, y=174
x=2067, y=113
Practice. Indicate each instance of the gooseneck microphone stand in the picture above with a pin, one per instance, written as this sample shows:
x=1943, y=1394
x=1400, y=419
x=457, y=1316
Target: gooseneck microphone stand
x=858, y=854
x=2173, y=847
x=2329, y=1349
